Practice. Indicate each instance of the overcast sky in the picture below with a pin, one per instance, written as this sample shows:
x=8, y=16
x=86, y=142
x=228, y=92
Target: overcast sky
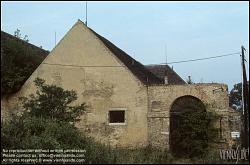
x=189, y=30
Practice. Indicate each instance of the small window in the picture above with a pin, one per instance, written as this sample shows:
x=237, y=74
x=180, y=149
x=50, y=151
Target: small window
x=117, y=116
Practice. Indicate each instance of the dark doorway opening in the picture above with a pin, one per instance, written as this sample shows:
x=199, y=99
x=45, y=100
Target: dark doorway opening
x=186, y=114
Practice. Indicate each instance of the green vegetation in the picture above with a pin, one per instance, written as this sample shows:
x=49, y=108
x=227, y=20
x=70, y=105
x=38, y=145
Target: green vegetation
x=47, y=121
x=52, y=102
x=195, y=134
x=33, y=132
x=17, y=63
x=235, y=97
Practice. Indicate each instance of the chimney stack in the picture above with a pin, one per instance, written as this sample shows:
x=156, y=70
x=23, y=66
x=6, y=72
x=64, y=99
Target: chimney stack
x=166, y=80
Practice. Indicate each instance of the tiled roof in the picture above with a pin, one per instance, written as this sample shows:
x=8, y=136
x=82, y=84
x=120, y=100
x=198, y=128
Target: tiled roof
x=164, y=70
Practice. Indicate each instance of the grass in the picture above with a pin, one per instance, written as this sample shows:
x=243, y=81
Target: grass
x=99, y=154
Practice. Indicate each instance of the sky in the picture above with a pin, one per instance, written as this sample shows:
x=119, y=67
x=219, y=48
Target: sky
x=150, y=32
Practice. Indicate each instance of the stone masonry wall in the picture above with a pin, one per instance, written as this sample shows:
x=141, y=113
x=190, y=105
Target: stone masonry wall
x=161, y=98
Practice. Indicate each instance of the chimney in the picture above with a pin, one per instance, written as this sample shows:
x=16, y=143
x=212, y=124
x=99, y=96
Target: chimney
x=166, y=80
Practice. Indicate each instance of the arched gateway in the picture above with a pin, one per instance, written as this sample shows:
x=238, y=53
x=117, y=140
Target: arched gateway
x=181, y=107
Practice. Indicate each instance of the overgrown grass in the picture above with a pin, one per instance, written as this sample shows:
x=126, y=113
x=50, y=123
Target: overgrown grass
x=99, y=154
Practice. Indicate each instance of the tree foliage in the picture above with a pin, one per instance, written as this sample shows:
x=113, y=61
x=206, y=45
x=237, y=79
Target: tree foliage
x=235, y=97
x=46, y=122
x=53, y=102
x=33, y=133
x=17, y=34
x=195, y=133
x=17, y=64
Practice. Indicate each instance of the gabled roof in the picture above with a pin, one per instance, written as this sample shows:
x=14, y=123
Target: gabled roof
x=164, y=70
x=148, y=75
x=139, y=70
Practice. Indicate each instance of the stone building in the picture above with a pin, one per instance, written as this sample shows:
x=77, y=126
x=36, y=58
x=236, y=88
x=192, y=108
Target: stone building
x=129, y=104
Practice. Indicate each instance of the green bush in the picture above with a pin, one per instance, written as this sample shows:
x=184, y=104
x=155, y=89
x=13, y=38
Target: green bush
x=33, y=132
x=53, y=102
x=47, y=122
x=195, y=134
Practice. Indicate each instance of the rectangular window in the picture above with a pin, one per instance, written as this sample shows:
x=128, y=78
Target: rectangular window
x=116, y=117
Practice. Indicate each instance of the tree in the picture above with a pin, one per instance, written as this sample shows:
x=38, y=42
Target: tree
x=235, y=97
x=47, y=121
x=17, y=63
x=53, y=102
x=26, y=38
x=17, y=34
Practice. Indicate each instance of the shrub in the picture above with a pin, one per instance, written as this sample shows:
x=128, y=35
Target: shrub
x=195, y=133
x=53, y=102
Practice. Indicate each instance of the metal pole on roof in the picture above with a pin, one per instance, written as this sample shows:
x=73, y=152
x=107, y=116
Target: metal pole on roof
x=166, y=54
x=55, y=38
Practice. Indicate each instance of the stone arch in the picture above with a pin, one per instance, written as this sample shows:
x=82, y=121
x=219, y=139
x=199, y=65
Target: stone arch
x=175, y=106
x=181, y=105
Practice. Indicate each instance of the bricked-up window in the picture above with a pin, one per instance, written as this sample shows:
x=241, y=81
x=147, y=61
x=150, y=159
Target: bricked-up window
x=117, y=116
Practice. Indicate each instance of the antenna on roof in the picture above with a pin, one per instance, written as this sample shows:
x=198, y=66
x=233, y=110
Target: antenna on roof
x=86, y=10
x=166, y=54
x=55, y=38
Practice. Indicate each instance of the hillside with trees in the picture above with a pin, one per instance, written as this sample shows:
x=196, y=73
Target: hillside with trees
x=18, y=61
